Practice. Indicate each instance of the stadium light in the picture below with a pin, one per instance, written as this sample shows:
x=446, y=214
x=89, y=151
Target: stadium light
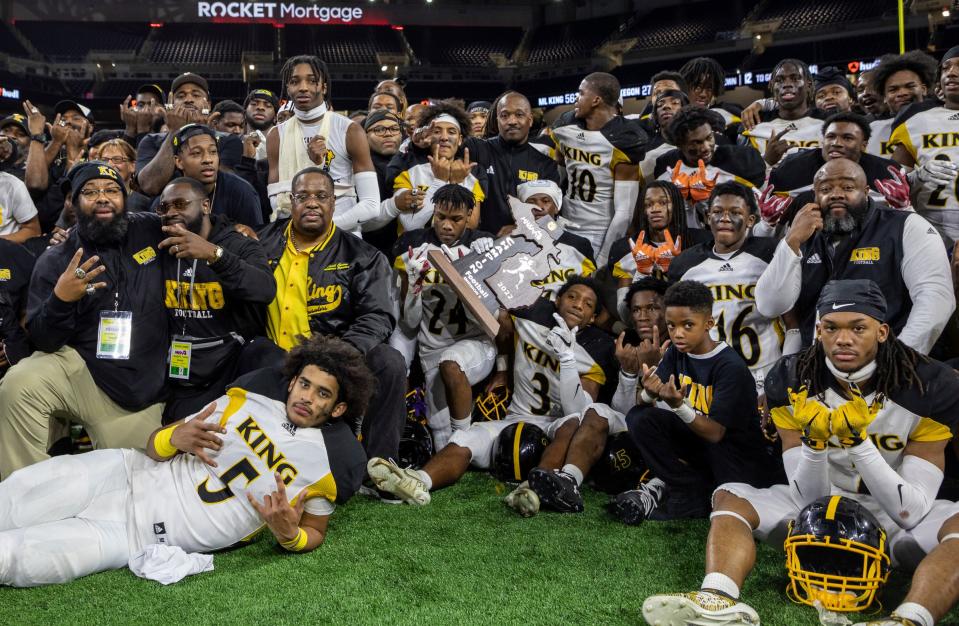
x=252, y=67
x=382, y=68
x=945, y=12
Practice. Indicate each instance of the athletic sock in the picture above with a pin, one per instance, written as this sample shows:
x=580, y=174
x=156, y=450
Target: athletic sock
x=426, y=479
x=573, y=471
x=462, y=424
x=722, y=583
x=915, y=612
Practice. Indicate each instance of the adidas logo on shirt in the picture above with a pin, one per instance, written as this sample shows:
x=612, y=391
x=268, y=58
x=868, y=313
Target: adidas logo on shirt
x=954, y=116
x=932, y=231
x=581, y=136
x=792, y=127
x=814, y=259
x=489, y=170
x=726, y=267
x=188, y=272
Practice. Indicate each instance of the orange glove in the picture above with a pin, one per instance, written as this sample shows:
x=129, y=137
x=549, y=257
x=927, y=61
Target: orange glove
x=700, y=186
x=680, y=178
x=667, y=251
x=643, y=253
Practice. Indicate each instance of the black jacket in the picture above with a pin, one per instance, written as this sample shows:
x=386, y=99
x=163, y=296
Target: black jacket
x=795, y=174
x=384, y=237
x=507, y=166
x=16, y=265
x=134, y=272
x=351, y=286
x=229, y=296
x=234, y=198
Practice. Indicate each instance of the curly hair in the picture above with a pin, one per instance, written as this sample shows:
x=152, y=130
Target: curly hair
x=676, y=77
x=647, y=283
x=316, y=64
x=915, y=61
x=577, y=279
x=341, y=361
x=454, y=197
x=445, y=107
x=691, y=117
x=853, y=118
x=690, y=293
x=732, y=188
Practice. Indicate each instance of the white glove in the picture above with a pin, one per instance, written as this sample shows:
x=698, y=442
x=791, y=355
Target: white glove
x=416, y=267
x=934, y=173
x=482, y=245
x=452, y=256
x=561, y=339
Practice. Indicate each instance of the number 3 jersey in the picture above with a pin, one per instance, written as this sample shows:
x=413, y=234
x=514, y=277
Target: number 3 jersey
x=187, y=503
x=536, y=366
x=732, y=279
x=908, y=414
x=591, y=156
x=445, y=320
x=928, y=131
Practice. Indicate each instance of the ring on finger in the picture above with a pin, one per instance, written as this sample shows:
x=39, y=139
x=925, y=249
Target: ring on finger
x=176, y=249
x=90, y=290
x=34, y=110
x=80, y=273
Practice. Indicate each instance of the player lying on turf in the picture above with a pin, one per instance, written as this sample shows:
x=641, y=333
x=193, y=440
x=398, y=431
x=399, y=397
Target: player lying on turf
x=858, y=412
x=251, y=461
x=557, y=374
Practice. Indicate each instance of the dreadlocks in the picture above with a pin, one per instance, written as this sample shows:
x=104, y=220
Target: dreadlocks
x=895, y=367
x=316, y=65
x=677, y=207
x=706, y=72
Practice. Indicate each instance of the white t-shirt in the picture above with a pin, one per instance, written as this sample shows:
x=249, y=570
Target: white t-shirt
x=16, y=206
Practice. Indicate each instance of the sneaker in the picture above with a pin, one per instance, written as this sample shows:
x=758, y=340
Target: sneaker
x=633, y=507
x=523, y=500
x=556, y=489
x=697, y=607
x=405, y=483
x=367, y=489
x=892, y=620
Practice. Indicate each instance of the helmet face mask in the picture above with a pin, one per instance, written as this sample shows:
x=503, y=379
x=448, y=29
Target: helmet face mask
x=491, y=406
x=836, y=553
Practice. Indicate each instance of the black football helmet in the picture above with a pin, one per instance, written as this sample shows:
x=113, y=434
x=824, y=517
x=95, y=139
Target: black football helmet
x=836, y=553
x=620, y=467
x=491, y=406
x=518, y=449
x=416, y=445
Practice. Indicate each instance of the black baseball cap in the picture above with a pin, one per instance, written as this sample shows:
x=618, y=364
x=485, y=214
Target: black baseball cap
x=262, y=94
x=154, y=89
x=70, y=105
x=190, y=130
x=16, y=119
x=190, y=77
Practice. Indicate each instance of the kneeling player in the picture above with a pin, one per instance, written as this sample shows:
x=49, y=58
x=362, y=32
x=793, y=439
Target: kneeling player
x=560, y=363
x=454, y=352
x=858, y=413
x=247, y=453
x=697, y=422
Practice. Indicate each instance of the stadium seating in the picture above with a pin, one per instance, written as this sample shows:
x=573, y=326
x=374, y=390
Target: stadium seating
x=356, y=45
x=798, y=16
x=562, y=42
x=209, y=44
x=9, y=44
x=670, y=27
x=63, y=41
x=463, y=46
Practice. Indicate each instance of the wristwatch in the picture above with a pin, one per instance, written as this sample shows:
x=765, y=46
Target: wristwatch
x=41, y=138
x=217, y=255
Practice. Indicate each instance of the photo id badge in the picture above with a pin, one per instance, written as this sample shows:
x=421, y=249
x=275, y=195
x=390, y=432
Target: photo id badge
x=180, y=354
x=113, y=337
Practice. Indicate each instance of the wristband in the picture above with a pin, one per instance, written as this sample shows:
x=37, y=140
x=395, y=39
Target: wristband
x=298, y=543
x=502, y=363
x=629, y=376
x=686, y=413
x=161, y=441
x=645, y=397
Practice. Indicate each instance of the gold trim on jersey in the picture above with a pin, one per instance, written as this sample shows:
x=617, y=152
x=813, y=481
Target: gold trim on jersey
x=595, y=374
x=237, y=396
x=588, y=267
x=930, y=430
x=403, y=181
x=900, y=136
x=323, y=488
x=618, y=157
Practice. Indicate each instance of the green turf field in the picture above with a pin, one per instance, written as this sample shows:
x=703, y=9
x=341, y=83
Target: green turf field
x=465, y=559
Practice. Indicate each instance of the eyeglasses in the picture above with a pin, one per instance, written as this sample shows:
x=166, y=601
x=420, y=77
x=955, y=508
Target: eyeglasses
x=383, y=131
x=176, y=205
x=300, y=198
x=117, y=160
x=93, y=194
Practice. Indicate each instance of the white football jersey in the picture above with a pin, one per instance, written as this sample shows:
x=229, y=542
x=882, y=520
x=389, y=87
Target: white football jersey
x=536, y=367
x=338, y=161
x=879, y=131
x=420, y=177
x=185, y=502
x=931, y=132
x=445, y=320
x=591, y=157
x=806, y=132
x=756, y=338
x=575, y=257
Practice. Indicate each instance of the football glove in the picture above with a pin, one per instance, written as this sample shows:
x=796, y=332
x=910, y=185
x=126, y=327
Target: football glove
x=894, y=190
x=771, y=206
x=643, y=254
x=700, y=185
x=934, y=173
x=416, y=267
x=561, y=339
x=482, y=245
x=815, y=418
x=666, y=252
x=851, y=419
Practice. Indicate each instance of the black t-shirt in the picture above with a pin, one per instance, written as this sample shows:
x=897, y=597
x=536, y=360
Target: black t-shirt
x=234, y=198
x=16, y=265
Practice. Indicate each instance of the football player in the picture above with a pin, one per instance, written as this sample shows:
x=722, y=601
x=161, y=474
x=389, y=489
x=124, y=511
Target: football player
x=730, y=266
x=706, y=81
x=696, y=422
x=697, y=163
x=205, y=482
x=665, y=108
x=858, y=413
x=899, y=80
x=560, y=362
x=924, y=136
x=454, y=352
x=575, y=252
x=600, y=151
x=791, y=125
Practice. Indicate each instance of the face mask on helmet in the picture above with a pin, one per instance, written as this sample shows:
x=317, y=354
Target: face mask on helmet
x=620, y=467
x=491, y=406
x=518, y=449
x=836, y=553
